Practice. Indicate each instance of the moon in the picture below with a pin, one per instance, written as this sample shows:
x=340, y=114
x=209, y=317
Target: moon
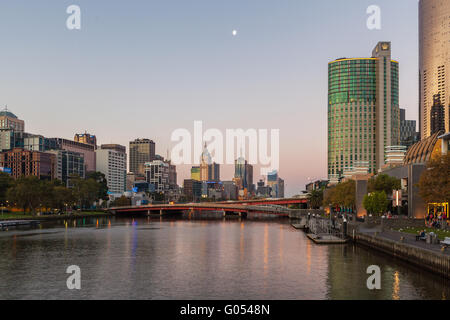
x=234, y=33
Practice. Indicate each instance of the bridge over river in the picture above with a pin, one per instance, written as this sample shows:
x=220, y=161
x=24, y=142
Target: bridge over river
x=264, y=206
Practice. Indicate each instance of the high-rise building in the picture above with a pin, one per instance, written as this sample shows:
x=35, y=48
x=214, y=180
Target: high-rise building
x=363, y=110
x=408, y=133
x=243, y=171
x=209, y=171
x=141, y=152
x=195, y=173
x=86, y=138
x=157, y=173
x=88, y=150
x=192, y=189
x=276, y=185
x=68, y=164
x=9, y=120
x=112, y=162
x=437, y=115
x=434, y=61
x=172, y=176
x=11, y=130
x=28, y=163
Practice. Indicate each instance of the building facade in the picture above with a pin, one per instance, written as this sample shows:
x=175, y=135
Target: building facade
x=408, y=131
x=86, y=138
x=141, y=152
x=437, y=115
x=157, y=173
x=87, y=150
x=434, y=61
x=68, y=164
x=112, y=162
x=363, y=110
x=28, y=163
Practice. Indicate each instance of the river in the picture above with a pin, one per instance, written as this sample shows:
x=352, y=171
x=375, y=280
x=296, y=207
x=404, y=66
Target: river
x=144, y=258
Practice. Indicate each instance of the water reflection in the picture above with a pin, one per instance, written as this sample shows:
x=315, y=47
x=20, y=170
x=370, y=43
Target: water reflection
x=218, y=258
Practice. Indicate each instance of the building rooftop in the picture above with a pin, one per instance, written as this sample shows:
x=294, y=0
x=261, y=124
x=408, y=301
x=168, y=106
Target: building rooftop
x=6, y=113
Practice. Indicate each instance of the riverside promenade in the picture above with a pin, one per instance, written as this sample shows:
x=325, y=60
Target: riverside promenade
x=381, y=235
x=431, y=257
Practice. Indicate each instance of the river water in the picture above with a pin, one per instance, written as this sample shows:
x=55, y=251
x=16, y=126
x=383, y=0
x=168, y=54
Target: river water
x=143, y=258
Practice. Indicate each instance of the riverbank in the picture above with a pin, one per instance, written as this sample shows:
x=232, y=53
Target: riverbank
x=404, y=246
x=18, y=216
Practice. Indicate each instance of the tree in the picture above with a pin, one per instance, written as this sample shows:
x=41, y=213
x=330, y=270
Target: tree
x=121, y=202
x=26, y=192
x=434, y=183
x=376, y=202
x=100, y=178
x=62, y=197
x=383, y=182
x=6, y=181
x=342, y=194
x=315, y=199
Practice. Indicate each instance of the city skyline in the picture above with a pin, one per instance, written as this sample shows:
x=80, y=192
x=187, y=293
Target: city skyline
x=130, y=65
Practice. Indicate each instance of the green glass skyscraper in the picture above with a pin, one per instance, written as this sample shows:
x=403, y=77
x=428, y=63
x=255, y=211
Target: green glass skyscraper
x=363, y=110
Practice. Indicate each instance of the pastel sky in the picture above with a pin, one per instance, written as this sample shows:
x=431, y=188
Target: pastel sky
x=141, y=69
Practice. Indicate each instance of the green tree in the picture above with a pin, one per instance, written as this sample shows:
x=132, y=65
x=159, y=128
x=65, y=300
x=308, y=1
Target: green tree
x=342, y=194
x=100, y=178
x=26, y=192
x=434, y=183
x=6, y=182
x=315, y=199
x=383, y=182
x=376, y=202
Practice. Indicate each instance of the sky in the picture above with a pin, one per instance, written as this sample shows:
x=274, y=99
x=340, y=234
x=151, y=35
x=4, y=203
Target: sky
x=142, y=69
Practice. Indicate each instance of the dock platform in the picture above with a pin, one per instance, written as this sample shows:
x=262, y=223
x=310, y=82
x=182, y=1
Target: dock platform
x=18, y=223
x=326, y=239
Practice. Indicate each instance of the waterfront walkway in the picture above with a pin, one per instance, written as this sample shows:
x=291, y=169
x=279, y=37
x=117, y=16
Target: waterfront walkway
x=409, y=239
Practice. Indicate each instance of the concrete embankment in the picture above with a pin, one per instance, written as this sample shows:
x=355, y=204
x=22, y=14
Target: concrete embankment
x=426, y=259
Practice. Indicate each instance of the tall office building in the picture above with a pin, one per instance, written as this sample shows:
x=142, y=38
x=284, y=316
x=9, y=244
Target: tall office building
x=243, y=172
x=363, y=110
x=408, y=131
x=88, y=150
x=437, y=115
x=11, y=130
x=141, y=151
x=195, y=173
x=68, y=164
x=209, y=171
x=157, y=173
x=112, y=162
x=434, y=60
x=9, y=120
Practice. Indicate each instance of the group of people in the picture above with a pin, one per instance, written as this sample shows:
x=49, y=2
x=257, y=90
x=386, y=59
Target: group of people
x=437, y=221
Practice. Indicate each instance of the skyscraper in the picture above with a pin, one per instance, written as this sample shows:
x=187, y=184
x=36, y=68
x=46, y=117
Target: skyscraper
x=141, y=151
x=363, y=110
x=112, y=162
x=408, y=133
x=434, y=61
x=209, y=171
